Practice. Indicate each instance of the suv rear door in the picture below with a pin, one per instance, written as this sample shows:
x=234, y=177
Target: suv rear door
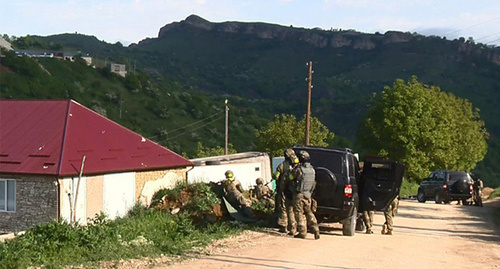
x=380, y=183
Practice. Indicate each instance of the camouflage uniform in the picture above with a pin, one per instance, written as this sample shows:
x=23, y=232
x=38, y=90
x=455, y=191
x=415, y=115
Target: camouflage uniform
x=302, y=185
x=389, y=216
x=233, y=192
x=368, y=219
x=283, y=205
x=263, y=193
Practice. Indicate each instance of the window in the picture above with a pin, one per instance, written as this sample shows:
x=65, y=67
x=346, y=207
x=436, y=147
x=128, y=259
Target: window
x=7, y=195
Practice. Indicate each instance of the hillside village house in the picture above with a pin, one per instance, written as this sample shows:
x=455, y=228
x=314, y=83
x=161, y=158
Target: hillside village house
x=61, y=161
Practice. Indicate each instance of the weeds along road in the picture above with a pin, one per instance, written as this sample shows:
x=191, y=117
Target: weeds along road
x=425, y=236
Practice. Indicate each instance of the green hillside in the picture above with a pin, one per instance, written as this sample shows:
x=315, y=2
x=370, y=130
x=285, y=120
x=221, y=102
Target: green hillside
x=183, y=76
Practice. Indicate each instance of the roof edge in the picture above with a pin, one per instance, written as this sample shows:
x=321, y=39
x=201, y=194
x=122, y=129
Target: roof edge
x=61, y=155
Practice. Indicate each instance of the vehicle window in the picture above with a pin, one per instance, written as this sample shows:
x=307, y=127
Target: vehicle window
x=459, y=176
x=378, y=171
x=352, y=169
x=327, y=160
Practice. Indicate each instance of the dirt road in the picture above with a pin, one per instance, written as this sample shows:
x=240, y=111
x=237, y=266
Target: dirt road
x=425, y=236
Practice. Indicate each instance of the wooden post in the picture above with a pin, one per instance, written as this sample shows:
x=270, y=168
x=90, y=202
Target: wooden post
x=77, y=188
x=308, y=111
x=227, y=131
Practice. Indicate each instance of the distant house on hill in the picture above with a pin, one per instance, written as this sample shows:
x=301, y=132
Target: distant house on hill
x=61, y=160
x=119, y=69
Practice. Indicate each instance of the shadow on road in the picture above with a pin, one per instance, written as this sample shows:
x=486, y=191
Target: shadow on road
x=270, y=263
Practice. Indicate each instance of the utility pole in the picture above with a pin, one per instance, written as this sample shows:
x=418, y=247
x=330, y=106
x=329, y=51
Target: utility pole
x=308, y=111
x=227, y=130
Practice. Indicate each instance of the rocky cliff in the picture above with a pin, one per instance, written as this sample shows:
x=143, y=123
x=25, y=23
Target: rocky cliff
x=318, y=38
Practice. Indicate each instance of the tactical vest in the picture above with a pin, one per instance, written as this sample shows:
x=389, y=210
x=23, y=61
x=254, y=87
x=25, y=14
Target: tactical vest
x=308, y=181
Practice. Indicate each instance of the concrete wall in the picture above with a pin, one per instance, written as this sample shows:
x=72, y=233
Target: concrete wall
x=36, y=201
x=148, y=183
x=114, y=194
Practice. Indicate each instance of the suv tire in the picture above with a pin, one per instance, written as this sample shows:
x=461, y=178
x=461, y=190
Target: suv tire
x=437, y=198
x=420, y=196
x=349, y=226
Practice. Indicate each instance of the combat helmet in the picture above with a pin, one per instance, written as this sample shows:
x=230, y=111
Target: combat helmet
x=259, y=181
x=304, y=156
x=229, y=175
x=290, y=155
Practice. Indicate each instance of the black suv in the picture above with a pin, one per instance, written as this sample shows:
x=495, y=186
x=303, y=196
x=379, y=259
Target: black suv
x=337, y=178
x=446, y=186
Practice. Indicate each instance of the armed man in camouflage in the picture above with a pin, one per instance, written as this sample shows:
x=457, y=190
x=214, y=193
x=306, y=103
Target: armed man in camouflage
x=389, y=214
x=233, y=191
x=303, y=182
x=284, y=199
x=263, y=193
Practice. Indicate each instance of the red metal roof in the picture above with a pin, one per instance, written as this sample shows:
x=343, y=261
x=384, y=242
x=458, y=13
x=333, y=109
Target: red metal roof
x=51, y=138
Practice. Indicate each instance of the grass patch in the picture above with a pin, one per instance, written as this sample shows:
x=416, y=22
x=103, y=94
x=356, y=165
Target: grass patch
x=495, y=193
x=408, y=189
x=144, y=232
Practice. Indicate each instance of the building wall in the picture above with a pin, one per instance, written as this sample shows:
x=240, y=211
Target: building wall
x=94, y=195
x=148, y=183
x=36, y=202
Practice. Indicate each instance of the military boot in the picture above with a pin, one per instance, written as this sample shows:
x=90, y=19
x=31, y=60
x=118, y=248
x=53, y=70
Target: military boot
x=369, y=231
x=384, y=229
x=301, y=235
x=316, y=235
x=389, y=232
x=282, y=229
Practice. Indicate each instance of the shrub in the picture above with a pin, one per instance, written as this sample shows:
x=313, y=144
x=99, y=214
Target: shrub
x=408, y=189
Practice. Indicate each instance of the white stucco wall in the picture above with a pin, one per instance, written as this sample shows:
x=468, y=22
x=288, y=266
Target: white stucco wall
x=246, y=173
x=118, y=194
x=67, y=194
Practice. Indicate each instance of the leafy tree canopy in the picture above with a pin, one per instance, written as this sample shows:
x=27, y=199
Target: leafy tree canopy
x=203, y=151
x=285, y=131
x=424, y=128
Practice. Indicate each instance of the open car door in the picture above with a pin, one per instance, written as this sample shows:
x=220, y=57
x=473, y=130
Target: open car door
x=380, y=183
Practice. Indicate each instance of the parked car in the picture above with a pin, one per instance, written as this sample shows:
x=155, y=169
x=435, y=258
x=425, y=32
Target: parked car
x=445, y=186
x=337, y=177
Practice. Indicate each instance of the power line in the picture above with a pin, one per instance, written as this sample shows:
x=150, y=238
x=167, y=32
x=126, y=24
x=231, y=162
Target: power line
x=183, y=133
x=191, y=124
x=452, y=32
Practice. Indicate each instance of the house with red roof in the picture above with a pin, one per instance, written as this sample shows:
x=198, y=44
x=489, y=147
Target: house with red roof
x=62, y=161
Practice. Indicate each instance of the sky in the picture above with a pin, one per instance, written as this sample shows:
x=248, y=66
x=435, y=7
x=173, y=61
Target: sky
x=130, y=21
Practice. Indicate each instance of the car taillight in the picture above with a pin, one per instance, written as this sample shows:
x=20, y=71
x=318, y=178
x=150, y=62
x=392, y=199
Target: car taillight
x=445, y=186
x=348, y=190
x=471, y=188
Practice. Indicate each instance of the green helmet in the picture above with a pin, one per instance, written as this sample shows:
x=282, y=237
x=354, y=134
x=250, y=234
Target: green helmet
x=290, y=155
x=229, y=174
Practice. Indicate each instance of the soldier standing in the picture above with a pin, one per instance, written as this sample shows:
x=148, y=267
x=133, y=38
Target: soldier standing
x=303, y=182
x=389, y=214
x=368, y=219
x=234, y=194
x=284, y=207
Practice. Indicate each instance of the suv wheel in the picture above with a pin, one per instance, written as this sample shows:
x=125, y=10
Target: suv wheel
x=420, y=196
x=437, y=198
x=348, y=228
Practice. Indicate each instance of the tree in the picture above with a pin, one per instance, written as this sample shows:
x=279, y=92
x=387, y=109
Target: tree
x=285, y=131
x=202, y=151
x=424, y=128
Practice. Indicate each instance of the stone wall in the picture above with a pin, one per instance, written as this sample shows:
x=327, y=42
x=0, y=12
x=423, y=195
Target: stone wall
x=36, y=202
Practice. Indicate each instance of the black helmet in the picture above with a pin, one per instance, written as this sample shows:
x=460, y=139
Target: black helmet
x=304, y=156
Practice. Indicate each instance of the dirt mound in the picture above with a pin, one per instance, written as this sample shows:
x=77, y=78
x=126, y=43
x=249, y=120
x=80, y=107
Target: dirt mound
x=486, y=192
